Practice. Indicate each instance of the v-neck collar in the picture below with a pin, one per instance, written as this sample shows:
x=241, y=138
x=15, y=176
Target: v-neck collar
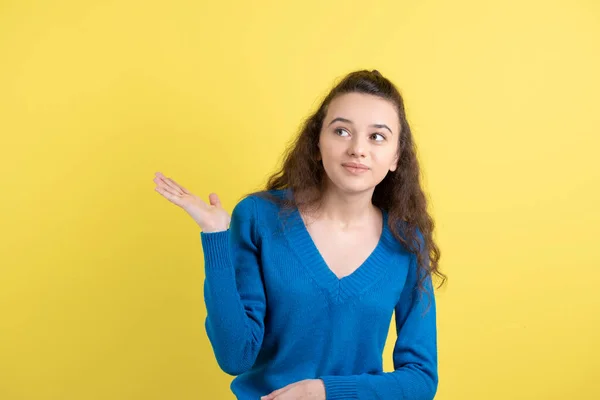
x=338, y=289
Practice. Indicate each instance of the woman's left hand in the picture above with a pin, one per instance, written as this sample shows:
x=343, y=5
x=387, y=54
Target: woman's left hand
x=308, y=389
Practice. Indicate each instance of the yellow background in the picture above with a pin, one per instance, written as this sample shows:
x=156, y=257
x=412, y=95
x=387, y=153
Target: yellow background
x=101, y=278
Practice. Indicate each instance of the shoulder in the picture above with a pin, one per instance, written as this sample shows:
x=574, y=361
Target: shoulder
x=259, y=204
x=411, y=234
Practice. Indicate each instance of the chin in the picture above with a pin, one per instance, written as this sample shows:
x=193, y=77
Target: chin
x=349, y=186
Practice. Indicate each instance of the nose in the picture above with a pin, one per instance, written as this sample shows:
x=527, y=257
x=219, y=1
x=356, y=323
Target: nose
x=357, y=147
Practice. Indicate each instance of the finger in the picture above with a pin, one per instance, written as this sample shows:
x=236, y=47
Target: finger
x=168, y=195
x=277, y=392
x=214, y=200
x=170, y=182
x=184, y=190
x=289, y=394
x=166, y=188
x=172, y=185
x=274, y=393
x=163, y=184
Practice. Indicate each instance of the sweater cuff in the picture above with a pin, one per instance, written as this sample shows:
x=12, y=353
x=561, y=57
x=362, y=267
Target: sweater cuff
x=340, y=387
x=215, y=246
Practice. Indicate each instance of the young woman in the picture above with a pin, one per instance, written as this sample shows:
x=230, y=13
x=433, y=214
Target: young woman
x=302, y=279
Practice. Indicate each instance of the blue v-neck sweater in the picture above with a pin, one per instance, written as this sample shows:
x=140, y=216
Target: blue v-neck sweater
x=276, y=313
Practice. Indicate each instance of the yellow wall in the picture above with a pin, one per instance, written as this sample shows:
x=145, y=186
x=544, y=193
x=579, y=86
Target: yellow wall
x=101, y=278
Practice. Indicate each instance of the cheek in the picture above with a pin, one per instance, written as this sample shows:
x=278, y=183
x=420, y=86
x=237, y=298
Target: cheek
x=327, y=151
x=383, y=163
x=385, y=159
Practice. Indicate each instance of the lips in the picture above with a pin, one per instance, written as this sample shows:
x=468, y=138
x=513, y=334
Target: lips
x=355, y=165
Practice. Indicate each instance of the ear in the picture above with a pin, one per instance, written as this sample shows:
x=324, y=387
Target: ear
x=395, y=164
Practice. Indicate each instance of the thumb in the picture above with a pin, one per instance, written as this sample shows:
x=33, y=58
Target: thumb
x=214, y=200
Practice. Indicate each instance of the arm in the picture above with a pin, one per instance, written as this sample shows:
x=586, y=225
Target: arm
x=415, y=354
x=234, y=291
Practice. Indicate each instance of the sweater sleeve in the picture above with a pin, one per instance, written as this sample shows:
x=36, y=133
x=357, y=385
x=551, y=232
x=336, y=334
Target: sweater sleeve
x=415, y=374
x=233, y=290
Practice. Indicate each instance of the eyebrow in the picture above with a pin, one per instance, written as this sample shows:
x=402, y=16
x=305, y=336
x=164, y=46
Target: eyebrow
x=379, y=126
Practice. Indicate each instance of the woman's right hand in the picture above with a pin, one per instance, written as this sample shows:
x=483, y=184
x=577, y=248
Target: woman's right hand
x=210, y=217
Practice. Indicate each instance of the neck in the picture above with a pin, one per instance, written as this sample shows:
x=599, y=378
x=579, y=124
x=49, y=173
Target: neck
x=347, y=210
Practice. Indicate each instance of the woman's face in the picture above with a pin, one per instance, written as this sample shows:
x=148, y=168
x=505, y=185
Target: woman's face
x=361, y=129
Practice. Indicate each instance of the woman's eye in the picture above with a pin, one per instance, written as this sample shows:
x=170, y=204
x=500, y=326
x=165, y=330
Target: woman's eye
x=338, y=131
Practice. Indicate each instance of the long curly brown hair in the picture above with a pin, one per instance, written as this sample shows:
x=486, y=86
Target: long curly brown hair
x=399, y=193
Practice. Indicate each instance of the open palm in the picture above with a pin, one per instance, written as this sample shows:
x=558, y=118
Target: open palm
x=211, y=217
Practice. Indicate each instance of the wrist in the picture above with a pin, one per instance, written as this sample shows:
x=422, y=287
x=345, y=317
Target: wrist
x=214, y=229
x=320, y=388
x=339, y=387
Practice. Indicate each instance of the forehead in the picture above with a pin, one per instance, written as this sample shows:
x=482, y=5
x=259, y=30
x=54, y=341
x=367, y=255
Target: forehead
x=363, y=109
